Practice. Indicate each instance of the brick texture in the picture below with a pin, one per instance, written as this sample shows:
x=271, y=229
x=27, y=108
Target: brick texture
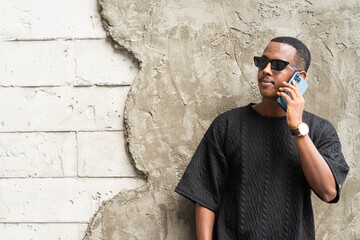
x=63, y=88
x=50, y=19
x=61, y=200
x=98, y=155
x=62, y=108
x=77, y=63
x=38, y=154
x=48, y=231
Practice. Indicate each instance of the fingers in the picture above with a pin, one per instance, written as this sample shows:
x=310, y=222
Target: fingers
x=293, y=90
x=284, y=95
x=295, y=103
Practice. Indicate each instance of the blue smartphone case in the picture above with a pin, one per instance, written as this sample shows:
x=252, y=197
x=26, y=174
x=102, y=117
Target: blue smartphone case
x=302, y=84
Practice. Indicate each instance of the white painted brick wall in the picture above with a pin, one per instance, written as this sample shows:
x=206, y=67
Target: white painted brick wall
x=57, y=199
x=62, y=93
x=50, y=19
x=38, y=154
x=62, y=108
x=78, y=62
x=46, y=231
x=99, y=156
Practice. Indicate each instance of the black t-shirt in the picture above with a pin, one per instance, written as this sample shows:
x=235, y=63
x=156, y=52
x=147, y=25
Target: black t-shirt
x=246, y=169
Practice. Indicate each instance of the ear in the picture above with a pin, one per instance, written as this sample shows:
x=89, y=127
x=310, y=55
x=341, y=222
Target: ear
x=303, y=74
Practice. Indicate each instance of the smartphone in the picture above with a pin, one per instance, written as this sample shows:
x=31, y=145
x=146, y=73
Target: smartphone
x=302, y=84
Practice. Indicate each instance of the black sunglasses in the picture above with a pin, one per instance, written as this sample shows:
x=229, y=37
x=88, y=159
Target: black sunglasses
x=278, y=65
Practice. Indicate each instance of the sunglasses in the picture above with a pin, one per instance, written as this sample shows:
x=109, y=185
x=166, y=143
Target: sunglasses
x=278, y=65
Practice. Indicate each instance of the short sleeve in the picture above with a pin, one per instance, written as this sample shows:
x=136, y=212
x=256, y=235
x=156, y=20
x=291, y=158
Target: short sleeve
x=329, y=147
x=206, y=174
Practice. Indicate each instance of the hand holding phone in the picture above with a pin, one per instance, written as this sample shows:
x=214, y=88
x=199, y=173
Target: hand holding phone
x=302, y=84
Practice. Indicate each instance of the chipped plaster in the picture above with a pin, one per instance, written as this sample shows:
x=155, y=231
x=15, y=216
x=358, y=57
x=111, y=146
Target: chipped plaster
x=196, y=62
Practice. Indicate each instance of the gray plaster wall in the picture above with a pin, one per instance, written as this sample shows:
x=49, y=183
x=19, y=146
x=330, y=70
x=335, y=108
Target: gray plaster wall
x=196, y=62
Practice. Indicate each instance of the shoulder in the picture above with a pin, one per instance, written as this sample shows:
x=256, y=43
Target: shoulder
x=233, y=114
x=226, y=120
x=316, y=121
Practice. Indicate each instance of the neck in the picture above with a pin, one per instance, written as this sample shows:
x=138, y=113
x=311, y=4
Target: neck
x=269, y=108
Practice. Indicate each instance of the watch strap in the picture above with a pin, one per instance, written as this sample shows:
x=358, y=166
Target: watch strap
x=295, y=131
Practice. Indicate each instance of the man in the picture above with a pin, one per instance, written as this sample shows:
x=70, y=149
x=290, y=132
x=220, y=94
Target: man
x=252, y=173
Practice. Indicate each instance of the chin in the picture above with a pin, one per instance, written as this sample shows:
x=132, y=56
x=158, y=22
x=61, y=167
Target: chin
x=270, y=95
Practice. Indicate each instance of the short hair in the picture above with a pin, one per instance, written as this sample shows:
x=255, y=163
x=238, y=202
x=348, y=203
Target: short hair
x=302, y=56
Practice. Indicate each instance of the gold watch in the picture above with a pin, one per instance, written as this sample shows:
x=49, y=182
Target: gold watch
x=301, y=130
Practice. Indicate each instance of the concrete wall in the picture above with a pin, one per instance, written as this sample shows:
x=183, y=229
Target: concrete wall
x=196, y=62
x=64, y=160
x=62, y=94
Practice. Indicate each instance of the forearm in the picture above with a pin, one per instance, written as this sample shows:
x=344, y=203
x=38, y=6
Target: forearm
x=316, y=170
x=204, y=223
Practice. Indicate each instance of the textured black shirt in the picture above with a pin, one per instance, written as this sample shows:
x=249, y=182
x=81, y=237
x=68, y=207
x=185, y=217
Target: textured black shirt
x=247, y=170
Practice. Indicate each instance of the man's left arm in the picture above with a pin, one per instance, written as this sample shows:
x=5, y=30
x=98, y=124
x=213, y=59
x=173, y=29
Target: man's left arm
x=316, y=170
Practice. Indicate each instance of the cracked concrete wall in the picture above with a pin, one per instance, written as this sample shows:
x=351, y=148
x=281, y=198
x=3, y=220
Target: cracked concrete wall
x=196, y=62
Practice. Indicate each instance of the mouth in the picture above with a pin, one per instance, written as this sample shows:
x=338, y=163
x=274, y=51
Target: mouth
x=267, y=81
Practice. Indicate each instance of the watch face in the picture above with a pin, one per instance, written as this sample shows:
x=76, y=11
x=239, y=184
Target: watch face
x=303, y=129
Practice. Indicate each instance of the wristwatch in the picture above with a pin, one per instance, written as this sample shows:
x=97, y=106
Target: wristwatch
x=301, y=130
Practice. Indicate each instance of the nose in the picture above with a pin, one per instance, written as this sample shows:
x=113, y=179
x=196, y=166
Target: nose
x=267, y=70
